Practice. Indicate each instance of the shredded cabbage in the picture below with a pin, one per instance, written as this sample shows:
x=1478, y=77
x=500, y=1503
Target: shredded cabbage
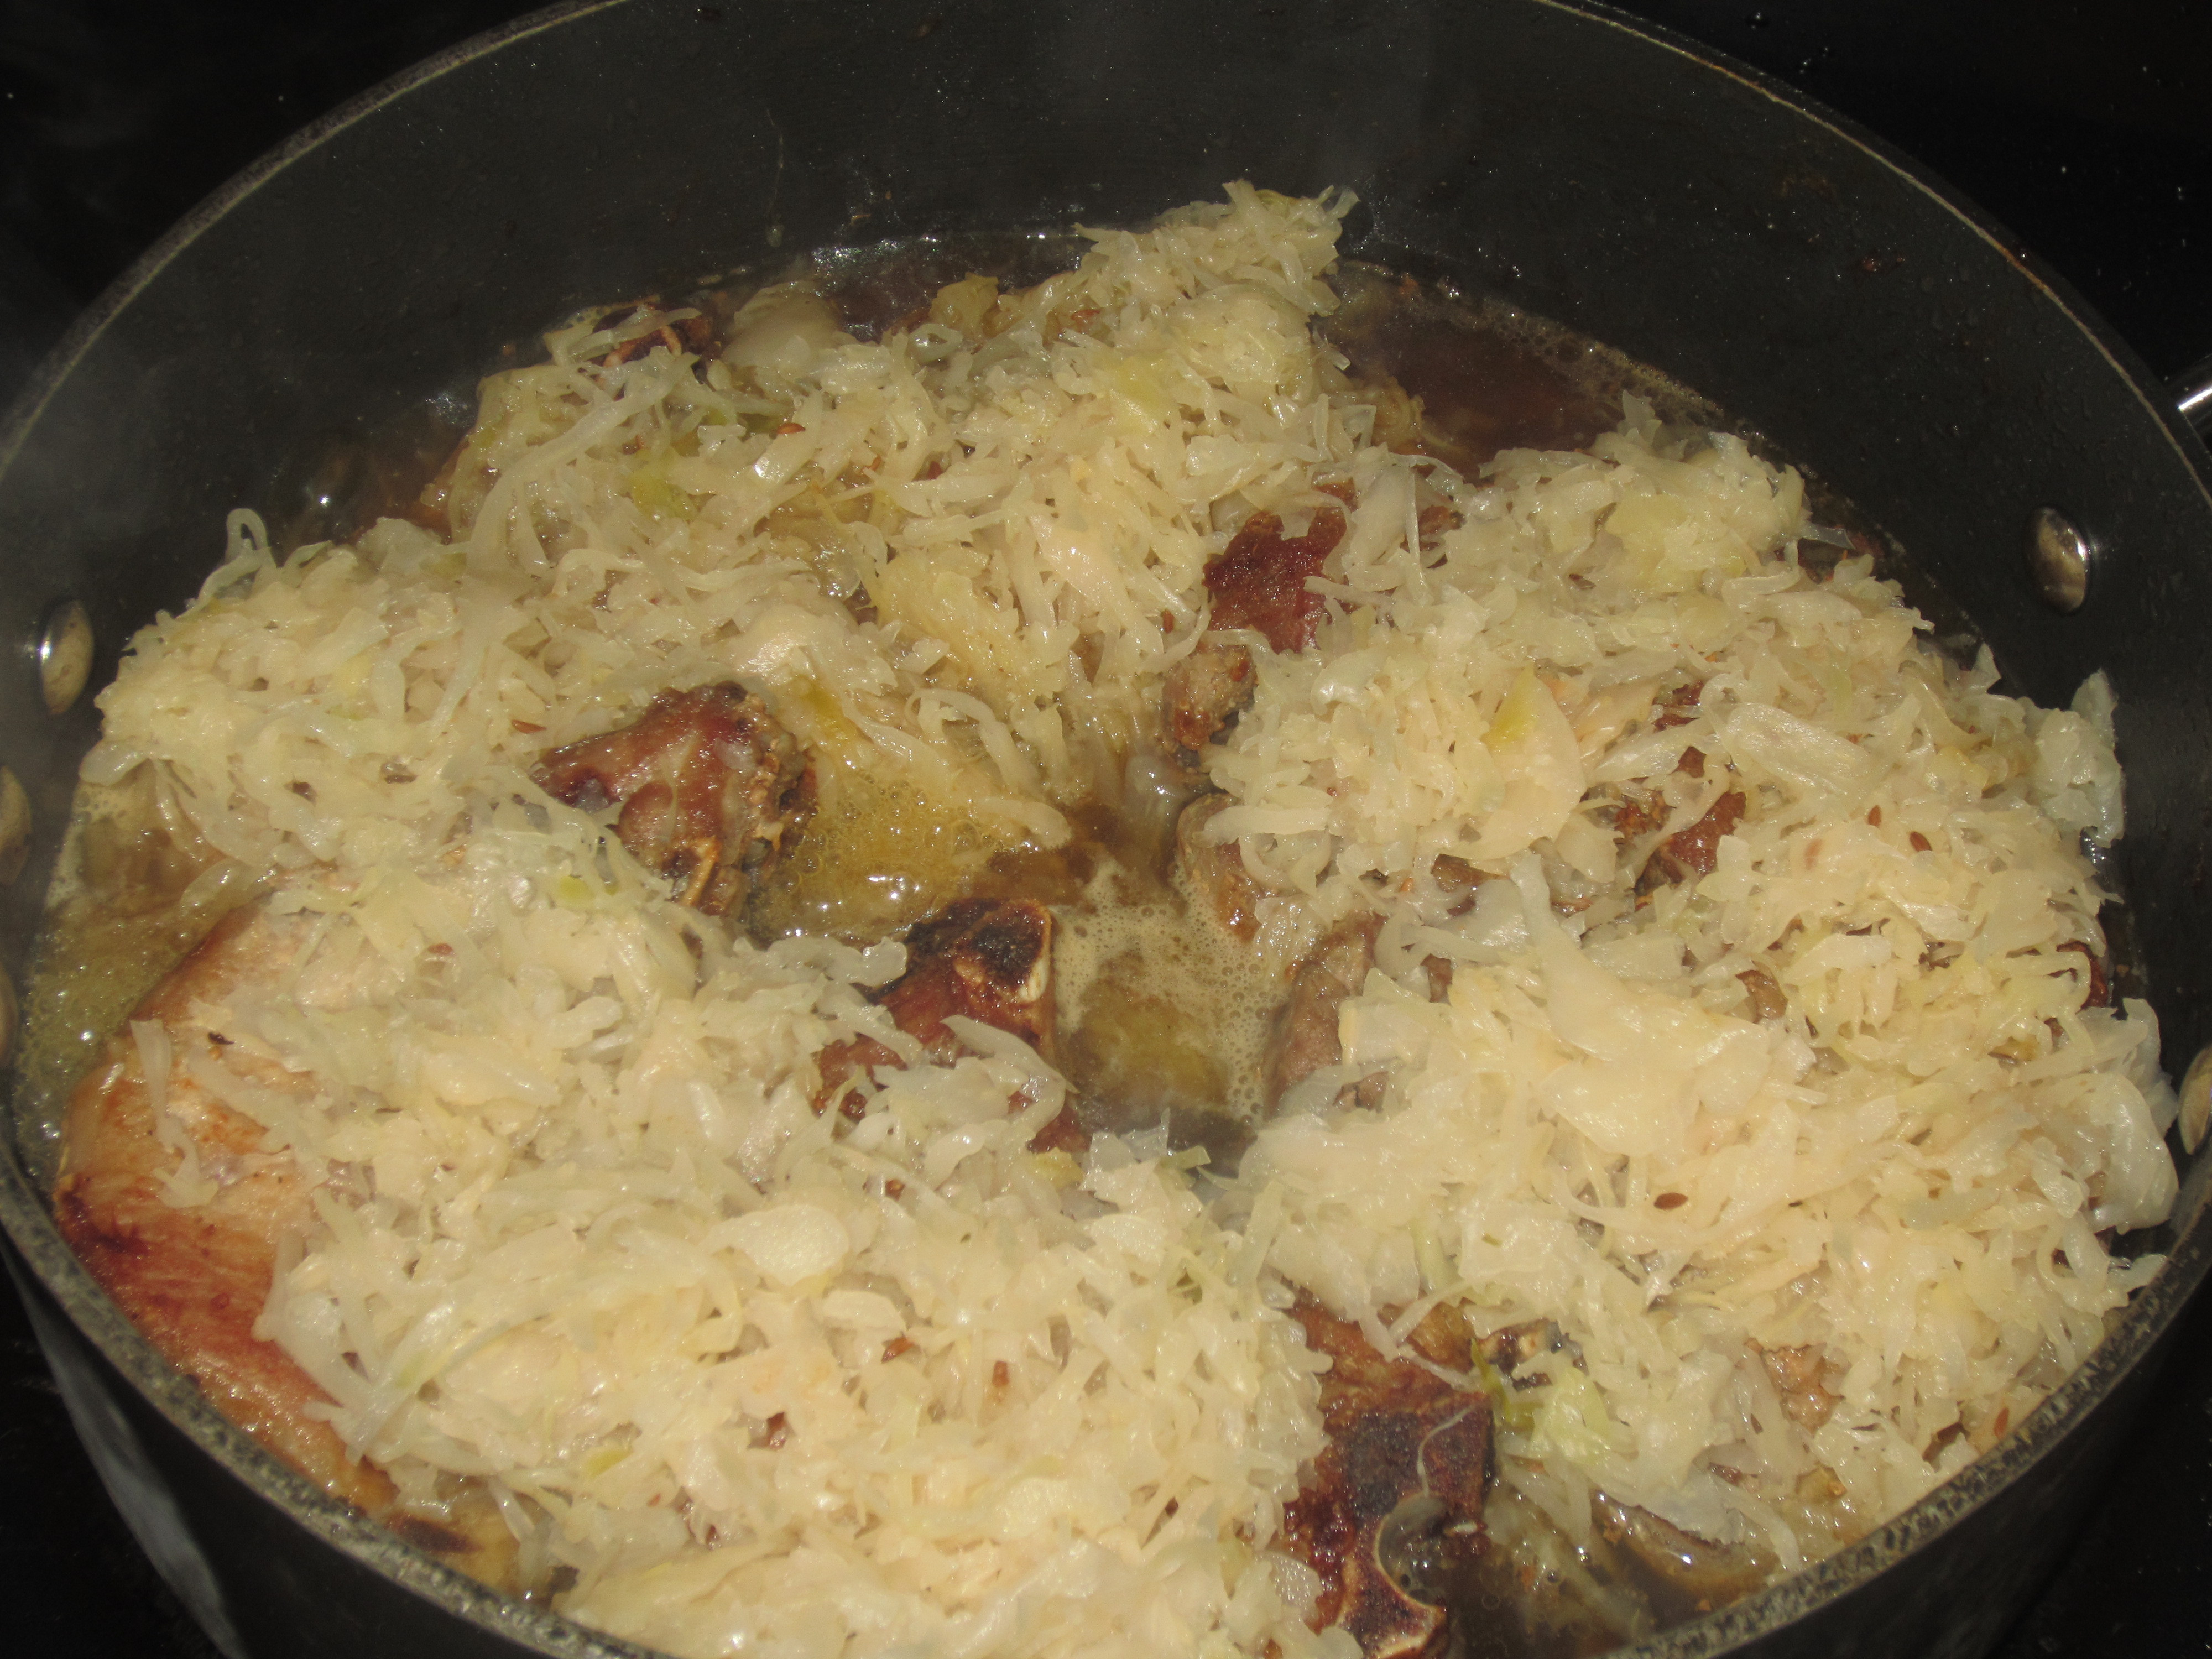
x=761, y=1377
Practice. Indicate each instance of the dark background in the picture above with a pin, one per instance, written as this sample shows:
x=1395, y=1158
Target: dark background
x=2085, y=128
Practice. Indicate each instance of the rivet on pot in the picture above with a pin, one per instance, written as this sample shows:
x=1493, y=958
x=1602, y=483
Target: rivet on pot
x=2196, y=1100
x=14, y=827
x=64, y=655
x=2058, y=557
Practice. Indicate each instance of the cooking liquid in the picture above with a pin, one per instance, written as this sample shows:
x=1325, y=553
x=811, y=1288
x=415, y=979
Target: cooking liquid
x=1164, y=1017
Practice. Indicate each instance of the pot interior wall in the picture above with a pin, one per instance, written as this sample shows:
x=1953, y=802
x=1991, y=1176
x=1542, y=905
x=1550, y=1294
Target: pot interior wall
x=1537, y=153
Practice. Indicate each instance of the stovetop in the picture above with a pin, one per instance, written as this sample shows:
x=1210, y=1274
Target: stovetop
x=2083, y=125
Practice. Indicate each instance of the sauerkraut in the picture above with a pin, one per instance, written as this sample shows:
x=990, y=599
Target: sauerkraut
x=747, y=1375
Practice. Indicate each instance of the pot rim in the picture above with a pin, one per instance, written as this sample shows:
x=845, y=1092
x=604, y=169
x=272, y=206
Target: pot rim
x=2132, y=1333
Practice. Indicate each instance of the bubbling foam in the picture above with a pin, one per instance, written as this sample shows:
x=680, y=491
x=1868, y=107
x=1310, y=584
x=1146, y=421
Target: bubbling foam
x=1128, y=944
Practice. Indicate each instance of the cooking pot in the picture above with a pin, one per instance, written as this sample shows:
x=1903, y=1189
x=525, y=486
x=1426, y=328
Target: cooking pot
x=1823, y=291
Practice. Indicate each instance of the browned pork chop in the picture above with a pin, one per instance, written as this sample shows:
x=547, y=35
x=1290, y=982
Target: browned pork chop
x=1204, y=692
x=982, y=959
x=1214, y=879
x=1696, y=851
x=1405, y=1472
x=711, y=790
x=1305, y=1038
x=194, y=1279
x=1258, y=582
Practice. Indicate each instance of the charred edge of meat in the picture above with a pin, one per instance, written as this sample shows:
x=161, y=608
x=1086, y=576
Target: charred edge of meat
x=1258, y=581
x=1205, y=694
x=1213, y=872
x=1304, y=1038
x=1396, y=1501
x=711, y=790
x=988, y=959
x=984, y=960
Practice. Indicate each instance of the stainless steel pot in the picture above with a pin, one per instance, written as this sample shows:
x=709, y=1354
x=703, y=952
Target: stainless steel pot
x=1818, y=287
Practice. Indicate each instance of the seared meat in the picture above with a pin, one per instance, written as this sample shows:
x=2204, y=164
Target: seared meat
x=1259, y=580
x=194, y=1279
x=1403, y=1443
x=1206, y=692
x=989, y=959
x=1305, y=1036
x=1695, y=851
x=1458, y=879
x=985, y=959
x=711, y=789
x=1214, y=876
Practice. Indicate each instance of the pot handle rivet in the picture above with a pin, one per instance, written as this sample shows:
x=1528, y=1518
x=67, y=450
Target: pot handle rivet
x=64, y=655
x=2057, y=559
x=2196, y=1100
x=14, y=827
